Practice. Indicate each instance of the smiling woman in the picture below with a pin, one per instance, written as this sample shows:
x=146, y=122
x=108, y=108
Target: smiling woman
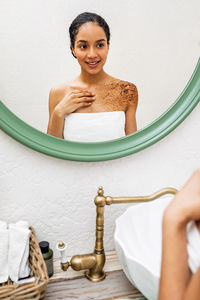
x=94, y=106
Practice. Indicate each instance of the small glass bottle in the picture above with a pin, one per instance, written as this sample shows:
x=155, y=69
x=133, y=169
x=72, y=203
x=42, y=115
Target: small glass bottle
x=47, y=254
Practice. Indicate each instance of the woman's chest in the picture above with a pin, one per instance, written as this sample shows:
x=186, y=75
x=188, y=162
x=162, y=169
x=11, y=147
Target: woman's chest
x=106, y=100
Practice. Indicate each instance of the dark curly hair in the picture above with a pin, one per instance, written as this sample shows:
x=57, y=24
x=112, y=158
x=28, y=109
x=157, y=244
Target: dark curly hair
x=84, y=18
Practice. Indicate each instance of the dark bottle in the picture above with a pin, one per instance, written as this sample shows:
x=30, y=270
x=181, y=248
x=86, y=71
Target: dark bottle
x=48, y=256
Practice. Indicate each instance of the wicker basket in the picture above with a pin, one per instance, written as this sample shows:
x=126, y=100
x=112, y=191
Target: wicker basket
x=34, y=290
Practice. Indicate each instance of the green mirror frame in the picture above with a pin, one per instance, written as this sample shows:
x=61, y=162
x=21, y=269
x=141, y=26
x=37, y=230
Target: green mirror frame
x=108, y=150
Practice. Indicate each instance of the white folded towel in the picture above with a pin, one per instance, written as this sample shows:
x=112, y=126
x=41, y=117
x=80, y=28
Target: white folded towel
x=3, y=252
x=193, y=246
x=18, y=253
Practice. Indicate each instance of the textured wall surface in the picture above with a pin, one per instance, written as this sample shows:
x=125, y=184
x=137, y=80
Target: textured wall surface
x=56, y=196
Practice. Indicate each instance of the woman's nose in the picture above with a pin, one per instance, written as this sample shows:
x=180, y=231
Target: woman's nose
x=91, y=52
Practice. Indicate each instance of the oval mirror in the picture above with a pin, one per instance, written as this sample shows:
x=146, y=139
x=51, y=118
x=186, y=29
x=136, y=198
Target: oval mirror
x=156, y=48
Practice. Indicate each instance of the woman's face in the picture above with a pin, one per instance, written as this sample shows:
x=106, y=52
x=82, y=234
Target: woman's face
x=91, y=48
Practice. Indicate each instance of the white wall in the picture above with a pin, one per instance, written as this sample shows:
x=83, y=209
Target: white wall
x=56, y=196
x=154, y=44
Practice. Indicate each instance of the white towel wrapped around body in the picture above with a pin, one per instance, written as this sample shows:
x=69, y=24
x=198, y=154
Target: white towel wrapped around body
x=18, y=253
x=94, y=127
x=3, y=252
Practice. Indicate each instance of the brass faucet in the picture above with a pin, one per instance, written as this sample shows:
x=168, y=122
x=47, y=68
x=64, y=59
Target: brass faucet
x=94, y=262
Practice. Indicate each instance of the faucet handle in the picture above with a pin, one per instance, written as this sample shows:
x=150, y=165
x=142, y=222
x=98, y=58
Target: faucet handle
x=61, y=247
x=100, y=191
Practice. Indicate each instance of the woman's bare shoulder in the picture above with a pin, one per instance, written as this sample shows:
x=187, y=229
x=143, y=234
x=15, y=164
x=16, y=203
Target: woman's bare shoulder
x=128, y=91
x=126, y=84
x=60, y=88
x=56, y=94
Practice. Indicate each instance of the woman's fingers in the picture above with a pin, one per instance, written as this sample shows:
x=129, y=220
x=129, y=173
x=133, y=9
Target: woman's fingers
x=86, y=99
x=76, y=98
x=83, y=94
x=83, y=104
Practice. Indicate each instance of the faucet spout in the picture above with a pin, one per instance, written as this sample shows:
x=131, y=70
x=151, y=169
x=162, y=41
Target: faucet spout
x=93, y=263
x=83, y=262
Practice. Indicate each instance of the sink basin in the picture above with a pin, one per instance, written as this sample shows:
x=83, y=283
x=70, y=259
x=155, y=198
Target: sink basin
x=138, y=241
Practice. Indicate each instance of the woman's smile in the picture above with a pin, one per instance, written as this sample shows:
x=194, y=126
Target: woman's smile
x=93, y=65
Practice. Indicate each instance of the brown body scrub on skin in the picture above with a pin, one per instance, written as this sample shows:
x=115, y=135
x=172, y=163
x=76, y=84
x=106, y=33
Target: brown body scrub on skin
x=117, y=95
x=113, y=96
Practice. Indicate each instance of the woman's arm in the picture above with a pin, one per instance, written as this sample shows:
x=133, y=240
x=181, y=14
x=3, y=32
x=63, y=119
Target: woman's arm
x=56, y=116
x=175, y=273
x=131, y=125
x=175, y=282
x=132, y=95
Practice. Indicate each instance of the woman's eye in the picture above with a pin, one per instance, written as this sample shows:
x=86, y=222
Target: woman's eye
x=101, y=45
x=85, y=46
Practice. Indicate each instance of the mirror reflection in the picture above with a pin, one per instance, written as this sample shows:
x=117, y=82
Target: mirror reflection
x=95, y=106
x=141, y=69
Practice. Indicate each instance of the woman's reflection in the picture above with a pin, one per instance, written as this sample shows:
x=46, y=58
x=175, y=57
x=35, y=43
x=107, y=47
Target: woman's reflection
x=94, y=106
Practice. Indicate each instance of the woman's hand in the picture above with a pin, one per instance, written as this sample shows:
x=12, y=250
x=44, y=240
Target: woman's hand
x=61, y=104
x=74, y=99
x=186, y=204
